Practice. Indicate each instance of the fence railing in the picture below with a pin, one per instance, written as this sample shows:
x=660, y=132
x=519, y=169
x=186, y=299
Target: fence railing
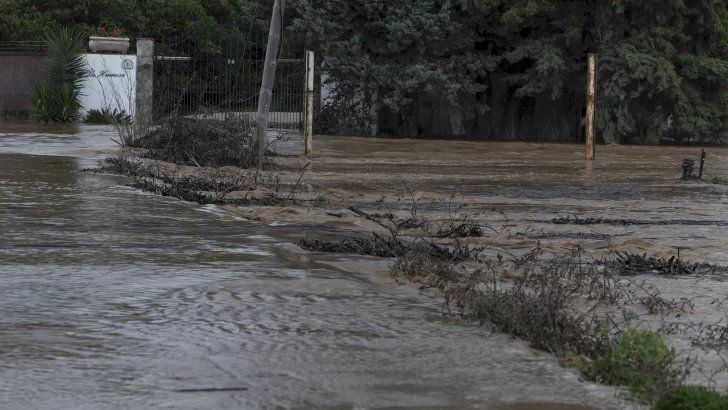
x=215, y=72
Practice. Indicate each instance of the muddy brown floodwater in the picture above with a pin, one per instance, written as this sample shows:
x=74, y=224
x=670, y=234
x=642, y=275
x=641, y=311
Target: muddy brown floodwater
x=115, y=299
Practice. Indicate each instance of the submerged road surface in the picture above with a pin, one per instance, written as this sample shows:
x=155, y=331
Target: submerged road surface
x=114, y=299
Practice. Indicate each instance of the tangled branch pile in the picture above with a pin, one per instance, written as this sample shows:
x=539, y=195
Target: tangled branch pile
x=633, y=264
x=575, y=220
x=461, y=230
x=386, y=248
x=221, y=186
x=203, y=142
x=539, y=306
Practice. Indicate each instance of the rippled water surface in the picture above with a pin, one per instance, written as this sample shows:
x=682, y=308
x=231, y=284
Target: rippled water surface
x=114, y=299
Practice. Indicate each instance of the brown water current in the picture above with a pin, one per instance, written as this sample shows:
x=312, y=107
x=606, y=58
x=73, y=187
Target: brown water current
x=115, y=299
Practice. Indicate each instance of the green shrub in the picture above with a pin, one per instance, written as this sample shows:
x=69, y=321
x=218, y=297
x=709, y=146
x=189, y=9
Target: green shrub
x=640, y=360
x=692, y=398
x=107, y=117
x=57, y=97
x=719, y=180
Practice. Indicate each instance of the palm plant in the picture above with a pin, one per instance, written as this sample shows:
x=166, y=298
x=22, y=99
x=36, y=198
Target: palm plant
x=57, y=98
x=68, y=103
x=42, y=101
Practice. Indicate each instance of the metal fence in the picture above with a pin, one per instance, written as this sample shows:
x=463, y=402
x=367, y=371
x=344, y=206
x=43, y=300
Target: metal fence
x=215, y=72
x=21, y=64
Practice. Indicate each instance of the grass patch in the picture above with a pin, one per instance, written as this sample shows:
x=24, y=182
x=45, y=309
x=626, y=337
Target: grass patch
x=719, y=180
x=692, y=398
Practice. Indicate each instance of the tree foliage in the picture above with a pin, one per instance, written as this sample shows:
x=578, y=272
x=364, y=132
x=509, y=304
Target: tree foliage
x=661, y=73
x=24, y=20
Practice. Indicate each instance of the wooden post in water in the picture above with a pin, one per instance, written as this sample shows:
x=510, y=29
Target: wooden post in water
x=308, y=130
x=702, y=163
x=269, y=75
x=590, y=96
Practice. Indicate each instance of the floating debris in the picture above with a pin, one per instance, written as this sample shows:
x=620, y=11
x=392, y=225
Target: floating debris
x=575, y=220
x=591, y=221
x=576, y=236
x=633, y=264
x=464, y=230
x=385, y=248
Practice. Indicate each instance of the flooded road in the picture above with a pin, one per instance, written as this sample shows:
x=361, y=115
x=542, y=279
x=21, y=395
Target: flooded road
x=114, y=299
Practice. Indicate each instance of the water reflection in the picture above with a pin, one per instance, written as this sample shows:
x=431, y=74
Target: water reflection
x=33, y=128
x=32, y=138
x=367, y=164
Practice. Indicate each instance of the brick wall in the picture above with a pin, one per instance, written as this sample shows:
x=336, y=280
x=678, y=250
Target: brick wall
x=18, y=71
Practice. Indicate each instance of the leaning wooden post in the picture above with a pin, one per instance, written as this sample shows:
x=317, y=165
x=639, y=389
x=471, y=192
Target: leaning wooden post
x=269, y=74
x=590, y=96
x=308, y=131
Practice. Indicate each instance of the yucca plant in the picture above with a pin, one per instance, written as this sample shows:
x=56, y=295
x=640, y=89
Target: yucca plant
x=42, y=101
x=68, y=103
x=57, y=98
x=66, y=62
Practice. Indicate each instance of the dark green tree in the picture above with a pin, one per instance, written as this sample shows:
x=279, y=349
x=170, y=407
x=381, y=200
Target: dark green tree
x=662, y=63
x=396, y=49
x=32, y=19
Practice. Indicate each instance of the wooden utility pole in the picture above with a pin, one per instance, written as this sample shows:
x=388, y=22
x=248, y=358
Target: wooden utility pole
x=308, y=131
x=590, y=96
x=269, y=75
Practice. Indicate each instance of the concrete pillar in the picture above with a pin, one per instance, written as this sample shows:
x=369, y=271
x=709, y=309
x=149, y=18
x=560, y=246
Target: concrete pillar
x=308, y=129
x=144, y=84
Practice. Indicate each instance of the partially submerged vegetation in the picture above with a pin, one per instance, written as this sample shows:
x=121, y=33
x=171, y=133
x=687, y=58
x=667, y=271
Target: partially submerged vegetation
x=202, y=143
x=576, y=220
x=719, y=180
x=221, y=186
x=632, y=264
x=641, y=360
x=107, y=116
x=200, y=160
x=576, y=306
x=692, y=398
